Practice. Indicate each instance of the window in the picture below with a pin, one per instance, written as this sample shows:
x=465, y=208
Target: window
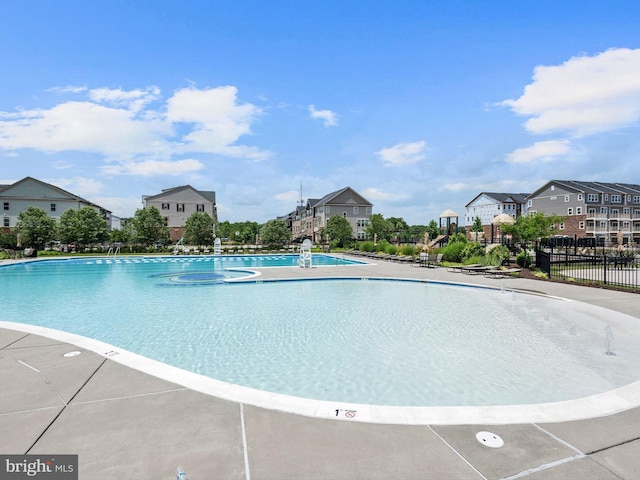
x=553, y=198
x=180, y=207
x=636, y=199
x=562, y=226
x=591, y=212
x=328, y=209
x=6, y=221
x=603, y=210
x=200, y=207
x=626, y=211
x=615, y=212
x=606, y=197
x=166, y=221
x=344, y=214
x=578, y=210
x=53, y=207
x=579, y=197
x=165, y=206
x=581, y=225
x=616, y=198
x=593, y=198
x=355, y=210
x=368, y=210
x=628, y=198
x=529, y=203
x=566, y=198
x=569, y=211
x=6, y=205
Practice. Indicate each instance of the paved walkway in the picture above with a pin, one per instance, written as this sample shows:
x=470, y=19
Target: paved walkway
x=126, y=424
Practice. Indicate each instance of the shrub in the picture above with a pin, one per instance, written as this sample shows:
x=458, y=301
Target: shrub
x=391, y=249
x=497, y=255
x=408, y=250
x=366, y=246
x=382, y=246
x=523, y=259
x=453, y=252
x=472, y=250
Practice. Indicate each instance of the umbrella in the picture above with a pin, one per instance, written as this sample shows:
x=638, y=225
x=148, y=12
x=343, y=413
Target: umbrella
x=620, y=238
x=503, y=218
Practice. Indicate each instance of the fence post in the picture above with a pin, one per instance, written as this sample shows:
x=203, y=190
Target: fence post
x=604, y=265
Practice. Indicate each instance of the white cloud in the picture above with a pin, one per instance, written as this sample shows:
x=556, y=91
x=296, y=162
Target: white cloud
x=457, y=187
x=121, y=126
x=148, y=168
x=68, y=89
x=540, y=152
x=81, y=186
x=373, y=194
x=403, y=154
x=133, y=100
x=291, y=197
x=83, y=126
x=584, y=95
x=329, y=118
x=218, y=121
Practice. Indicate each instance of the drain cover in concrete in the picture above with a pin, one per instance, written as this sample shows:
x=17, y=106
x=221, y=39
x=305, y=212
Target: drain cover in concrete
x=489, y=439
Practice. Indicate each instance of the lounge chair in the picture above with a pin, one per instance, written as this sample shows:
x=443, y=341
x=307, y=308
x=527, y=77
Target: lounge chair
x=501, y=272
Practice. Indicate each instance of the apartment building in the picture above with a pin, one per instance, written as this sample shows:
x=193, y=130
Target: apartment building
x=487, y=205
x=178, y=203
x=31, y=192
x=591, y=209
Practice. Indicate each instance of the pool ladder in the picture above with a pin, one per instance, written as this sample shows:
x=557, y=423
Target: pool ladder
x=113, y=250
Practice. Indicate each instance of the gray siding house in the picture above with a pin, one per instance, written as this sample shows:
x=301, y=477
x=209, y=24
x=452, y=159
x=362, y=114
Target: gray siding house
x=591, y=209
x=30, y=192
x=178, y=203
x=308, y=220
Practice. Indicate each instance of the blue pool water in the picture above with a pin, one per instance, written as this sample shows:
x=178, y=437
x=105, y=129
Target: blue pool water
x=372, y=341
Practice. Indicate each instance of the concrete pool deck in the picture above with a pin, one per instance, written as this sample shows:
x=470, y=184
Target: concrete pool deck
x=123, y=423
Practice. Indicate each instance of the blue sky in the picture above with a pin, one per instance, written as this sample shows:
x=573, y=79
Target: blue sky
x=417, y=105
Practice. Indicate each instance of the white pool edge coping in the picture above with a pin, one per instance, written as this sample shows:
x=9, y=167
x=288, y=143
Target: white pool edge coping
x=606, y=403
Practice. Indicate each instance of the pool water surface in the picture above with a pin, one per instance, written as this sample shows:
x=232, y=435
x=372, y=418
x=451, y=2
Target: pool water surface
x=372, y=341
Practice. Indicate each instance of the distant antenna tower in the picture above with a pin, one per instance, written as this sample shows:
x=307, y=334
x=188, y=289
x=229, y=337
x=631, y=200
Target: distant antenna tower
x=301, y=201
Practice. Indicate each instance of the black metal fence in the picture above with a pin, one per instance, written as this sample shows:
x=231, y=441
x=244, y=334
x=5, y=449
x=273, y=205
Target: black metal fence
x=606, y=267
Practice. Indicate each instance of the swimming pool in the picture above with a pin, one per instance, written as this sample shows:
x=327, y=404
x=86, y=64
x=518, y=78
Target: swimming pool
x=362, y=341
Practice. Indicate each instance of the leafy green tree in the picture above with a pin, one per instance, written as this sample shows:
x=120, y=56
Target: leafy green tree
x=528, y=228
x=8, y=240
x=198, y=229
x=434, y=229
x=35, y=228
x=339, y=231
x=148, y=226
x=84, y=227
x=378, y=227
x=225, y=229
x=399, y=228
x=247, y=231
x=275, y=233
x=477, y=226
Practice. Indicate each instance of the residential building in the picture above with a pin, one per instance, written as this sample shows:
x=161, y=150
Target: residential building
x=487, y=205
x=179, y=203
x=30, y=192
x=308, y=220
x=591, y=209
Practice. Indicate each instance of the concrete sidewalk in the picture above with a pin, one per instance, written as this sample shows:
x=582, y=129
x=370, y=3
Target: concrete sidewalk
x=126, y=424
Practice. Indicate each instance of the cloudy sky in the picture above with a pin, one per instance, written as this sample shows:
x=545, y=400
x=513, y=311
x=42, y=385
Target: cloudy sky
x=418, y=105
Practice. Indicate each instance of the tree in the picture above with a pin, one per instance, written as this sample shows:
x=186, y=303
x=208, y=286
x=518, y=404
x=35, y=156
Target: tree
x=198, y=229
x=399, y=228
x=148, y=226
x=35, y=228
x=433, y=229
x=477, y=226
x=339, y=231
x=275, y=233
x=378, y=227
x=84, y=227
x=528, y=228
